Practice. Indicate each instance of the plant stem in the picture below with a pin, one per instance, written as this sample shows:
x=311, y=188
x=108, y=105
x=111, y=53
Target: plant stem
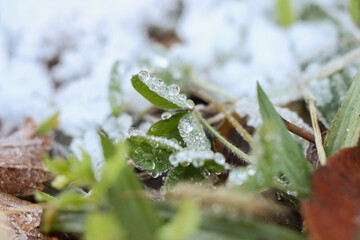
x=226, y=143
x=240, y=129
x=299, y=131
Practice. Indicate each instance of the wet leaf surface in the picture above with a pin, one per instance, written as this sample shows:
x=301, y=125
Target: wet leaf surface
x=21, y=169
x=334, y=208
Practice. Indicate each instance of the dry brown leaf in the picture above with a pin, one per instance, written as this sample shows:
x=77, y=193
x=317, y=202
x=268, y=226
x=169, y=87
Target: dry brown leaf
x=21, y=169
x=19, y=219
x=334, y=209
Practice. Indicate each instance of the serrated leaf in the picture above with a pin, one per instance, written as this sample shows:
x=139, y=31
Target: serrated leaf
x=108, y=147
x=289, y=156
x=151, y=153
x=115, y=91
x=189, y=173
x=345, y=129
x=192, y=133
x=158, y=94
x=183, y=224
x=167, y=128
x=48, y=124
x=284, y=13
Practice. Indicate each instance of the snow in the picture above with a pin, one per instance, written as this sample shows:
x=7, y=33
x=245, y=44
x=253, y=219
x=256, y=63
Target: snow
x=229, y=43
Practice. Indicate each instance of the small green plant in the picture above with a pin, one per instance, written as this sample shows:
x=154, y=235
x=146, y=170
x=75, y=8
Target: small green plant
x=177, y=148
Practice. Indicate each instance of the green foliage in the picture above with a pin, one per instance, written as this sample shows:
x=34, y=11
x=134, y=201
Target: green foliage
x=154, y=97
x=126, y=198
x=184, y=224
x=151, y=153
x=48, y=124
x=115, y=94
x=284, y=13
x=185, y=174
x=288, y=157
x=108, y=147
x=354, y=9
x=74, y=171
x=168, y=128
x=103, y=225
x=345, y=129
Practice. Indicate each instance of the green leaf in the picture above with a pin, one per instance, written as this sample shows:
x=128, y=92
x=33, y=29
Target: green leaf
x=189, y=173
x=151, y=153
x=127, y=199
x=289, y=156
x=354, y=9
x=114, y=91
x=284, y=13
x=74, y=171
x=192, y=133
x=183, y=224
x=103, y=225
x=156, y=92
x=345, y=129
x=108, y=147
x=48, y=125
x=167, y=128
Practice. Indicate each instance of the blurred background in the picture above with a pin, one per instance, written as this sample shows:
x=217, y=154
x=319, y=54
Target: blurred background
x=56, y=56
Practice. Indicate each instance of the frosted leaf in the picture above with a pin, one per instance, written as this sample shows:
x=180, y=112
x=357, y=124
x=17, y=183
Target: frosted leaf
x=196, y=157
x=192, y=133
x=19, y=219
x=170, y=93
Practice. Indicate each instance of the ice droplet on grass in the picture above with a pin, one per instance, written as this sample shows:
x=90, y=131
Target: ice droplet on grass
x=135, y=132
x=165, y=115
x=144, y=75
x=170, y=93
x=174, y=89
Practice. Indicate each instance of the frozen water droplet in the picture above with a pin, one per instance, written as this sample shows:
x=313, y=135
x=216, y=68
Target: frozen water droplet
x=174, y=140
x=219, y=158
x=348, y=130
x=135, y=132
x=153, y=165
x=144, y=76
x=190, y=103
x=182, y=97
x=155, y=174
x=165, y=115
x=174, y=89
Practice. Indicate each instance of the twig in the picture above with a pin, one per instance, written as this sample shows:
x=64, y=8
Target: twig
x=226, y=143
x=227, y=115
x=299, y=131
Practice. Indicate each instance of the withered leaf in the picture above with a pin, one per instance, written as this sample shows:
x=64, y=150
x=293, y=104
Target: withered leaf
x=333, y=212
x=21, y=169
x=19, y=219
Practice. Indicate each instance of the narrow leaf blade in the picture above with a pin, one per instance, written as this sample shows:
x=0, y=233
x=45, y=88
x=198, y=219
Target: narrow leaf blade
x=291, y=159
x=345, y=129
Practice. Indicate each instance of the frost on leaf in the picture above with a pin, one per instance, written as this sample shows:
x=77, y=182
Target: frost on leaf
x=192, y=133
x=157, y=92
x=334, y=208
x=19, y=219
x=21, y=169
